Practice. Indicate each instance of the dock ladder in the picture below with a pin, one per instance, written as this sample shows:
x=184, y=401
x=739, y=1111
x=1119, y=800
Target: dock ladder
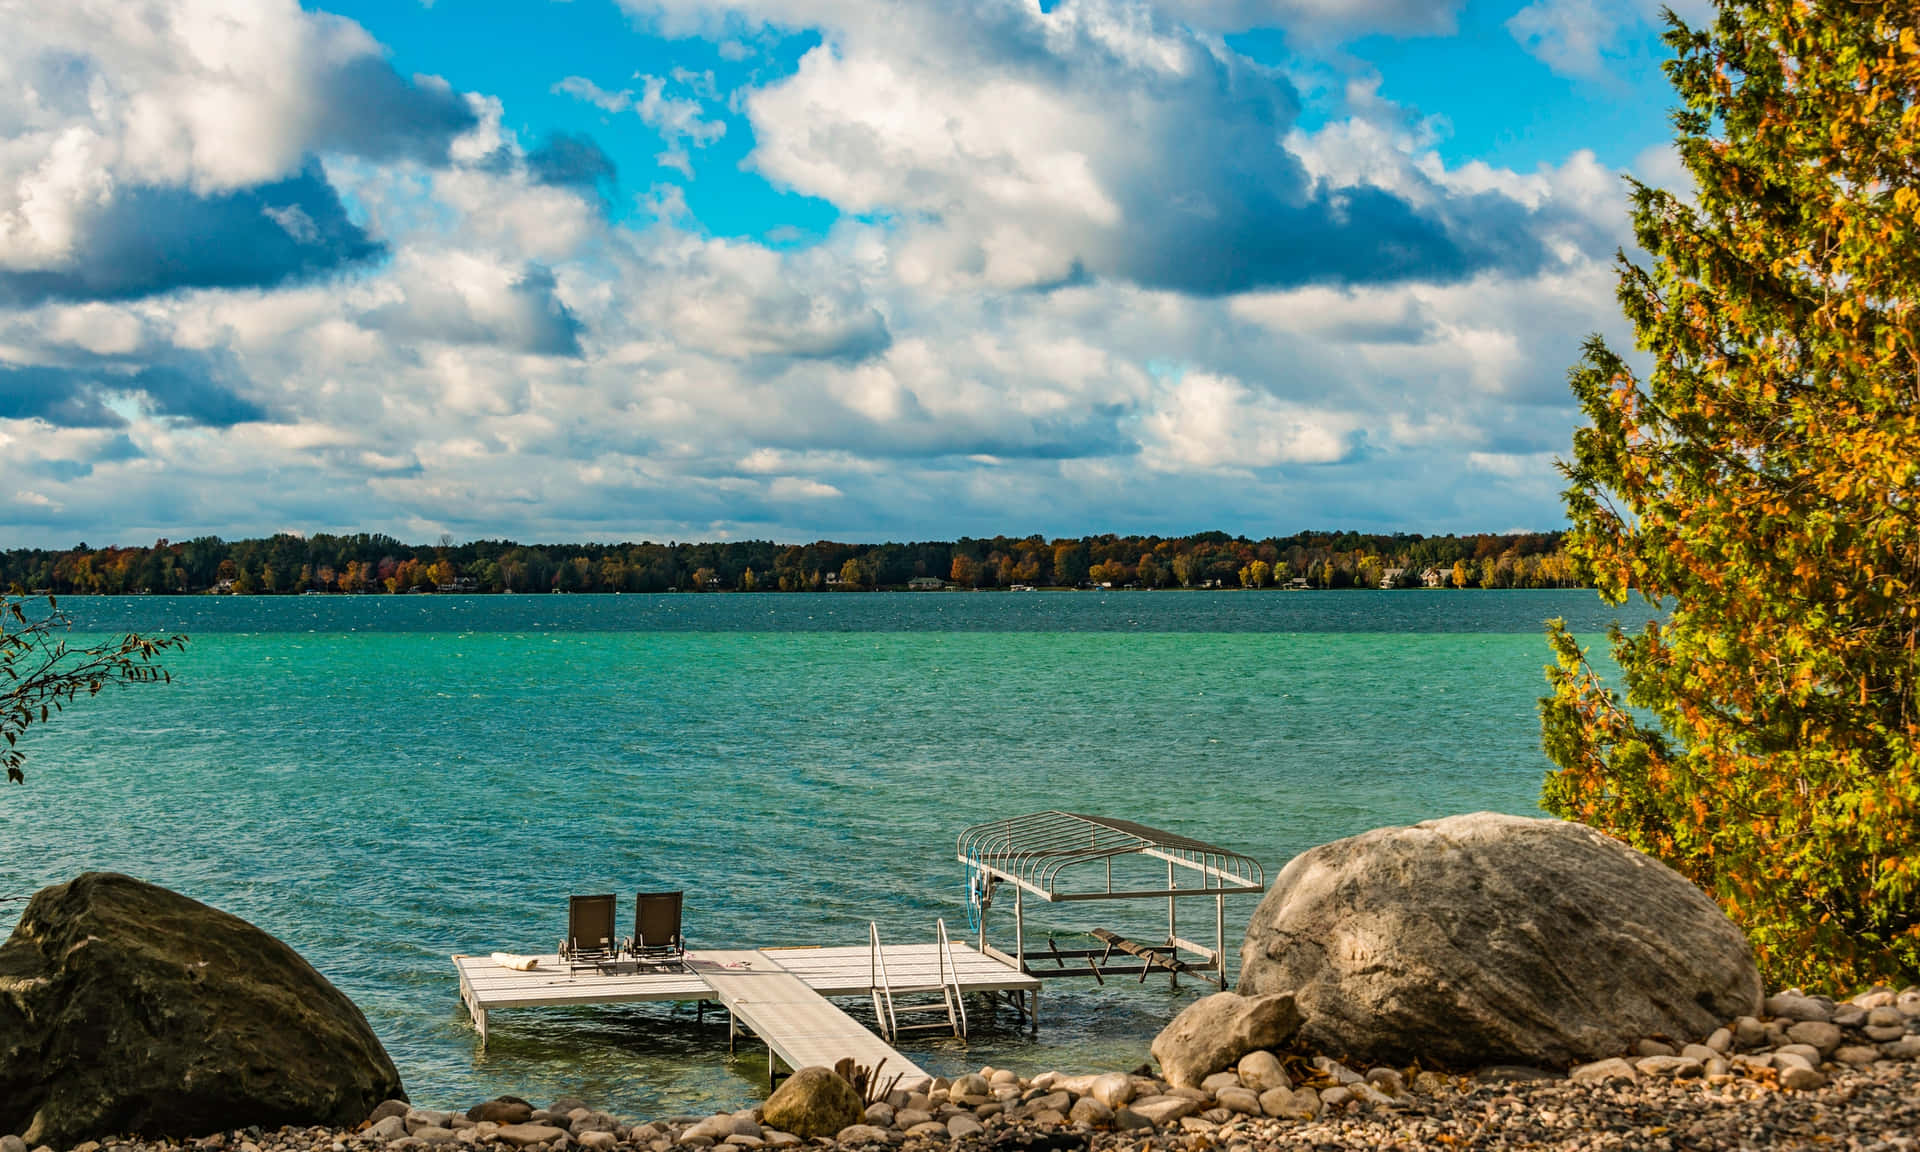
x=888, y=1010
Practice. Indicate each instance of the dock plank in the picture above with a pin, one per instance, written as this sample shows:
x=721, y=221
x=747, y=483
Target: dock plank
x=798, y=1024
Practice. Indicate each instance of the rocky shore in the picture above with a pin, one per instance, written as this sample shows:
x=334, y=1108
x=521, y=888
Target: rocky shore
x=1809, y=1071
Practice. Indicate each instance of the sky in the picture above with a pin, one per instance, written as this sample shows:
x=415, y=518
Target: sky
x=800, y=269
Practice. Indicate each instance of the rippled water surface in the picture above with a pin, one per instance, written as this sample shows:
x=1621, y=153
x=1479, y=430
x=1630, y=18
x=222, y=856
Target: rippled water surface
x=384, y=781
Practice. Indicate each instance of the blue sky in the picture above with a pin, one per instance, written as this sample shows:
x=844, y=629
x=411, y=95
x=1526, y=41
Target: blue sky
x=800, y=268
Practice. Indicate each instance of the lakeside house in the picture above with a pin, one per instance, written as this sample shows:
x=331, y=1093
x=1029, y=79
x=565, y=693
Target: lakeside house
x=1437, y=577
x=1392, y=577
x=926, y=584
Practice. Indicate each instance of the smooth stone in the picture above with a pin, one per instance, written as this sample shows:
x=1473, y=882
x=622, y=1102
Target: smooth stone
x=879, y=1114
x=1430, y=1082
x=1244, y=1101
x=1090, y=1112
x=1858, y=1055
x=1905, y=1048
x=930, y=1128
x=388, y=1108
x=434, y=1135
x=501, y=1111
x=779, y=1139
x=390, y=1127
x=1749, y=1032
x=525, y=1135
x=1721, y=1041
x=1654, y=1048
x=1699, y=1052
x=1127, y=1120
x=962, y=1126
x=739, y=1140
x=1197, y=1124
x=908, y=1117
x=1290, y=1103
x=1806, y=1052
x=1336, y=1097
x=1163, y=1110
x=1114, y=1089
x=1819, y=1033
x=1669, y=1067
x=862, y=1134
x=1795, y=1006
x=1004, y=1076
x=1049, y=1116
x=1717, y=1066
x=567, y=1106
x=972, y=1084
x=12, y=1143
x=1886, y=1017
x=1784, y=1060
x=1801, y=1079
x=1340, y=1073
x=1892, y=1032
x=1261, y=1070
x=1849, y=1015
x=1612, y=1070
x=1219, y=1080
x=598, y=1141
x=812, y=1102
x=1213, y=1032
x=1051, y=1102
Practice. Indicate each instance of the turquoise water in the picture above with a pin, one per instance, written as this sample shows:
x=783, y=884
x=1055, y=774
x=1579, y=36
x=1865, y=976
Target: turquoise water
x=384, y=781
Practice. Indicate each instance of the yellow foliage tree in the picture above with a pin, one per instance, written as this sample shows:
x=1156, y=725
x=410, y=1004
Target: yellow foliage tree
x=1762, y=482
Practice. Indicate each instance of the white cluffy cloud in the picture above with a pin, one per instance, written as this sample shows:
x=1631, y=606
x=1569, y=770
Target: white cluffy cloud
x=1573, y=37
x=1089, y=273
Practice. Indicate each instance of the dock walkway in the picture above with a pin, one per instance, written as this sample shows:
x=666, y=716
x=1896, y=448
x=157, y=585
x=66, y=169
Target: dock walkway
x=798, y=1025
x=779, y=993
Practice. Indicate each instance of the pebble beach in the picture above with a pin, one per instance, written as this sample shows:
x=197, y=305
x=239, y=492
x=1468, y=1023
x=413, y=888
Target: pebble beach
x=1810, y=1072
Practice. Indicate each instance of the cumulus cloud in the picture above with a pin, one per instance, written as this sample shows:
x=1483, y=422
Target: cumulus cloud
x=1089, y=273
x=81, y=395
x=1097, y=139
x=142, y=135
x=1574, y=37
x=142, y=240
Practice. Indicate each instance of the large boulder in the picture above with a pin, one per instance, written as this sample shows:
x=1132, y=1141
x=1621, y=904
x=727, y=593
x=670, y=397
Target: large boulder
x=1486, y=939
x=813, y=1102
x=1214, y=1032
x=126, y=1008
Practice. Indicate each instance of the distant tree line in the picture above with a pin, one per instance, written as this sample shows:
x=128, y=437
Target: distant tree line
x=373, y=563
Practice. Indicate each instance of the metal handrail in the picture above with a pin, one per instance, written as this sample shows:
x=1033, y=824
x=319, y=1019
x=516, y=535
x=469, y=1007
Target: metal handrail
x=878, y=983
x=950, y=976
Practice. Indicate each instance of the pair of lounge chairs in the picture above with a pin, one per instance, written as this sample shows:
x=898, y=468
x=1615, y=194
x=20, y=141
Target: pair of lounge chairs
x=593, y=940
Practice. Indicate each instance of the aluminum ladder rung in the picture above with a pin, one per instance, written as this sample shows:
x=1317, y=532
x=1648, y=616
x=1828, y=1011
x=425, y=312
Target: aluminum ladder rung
x=887, y=1012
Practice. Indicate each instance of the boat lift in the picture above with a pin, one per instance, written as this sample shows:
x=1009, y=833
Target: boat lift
x=1064, y=857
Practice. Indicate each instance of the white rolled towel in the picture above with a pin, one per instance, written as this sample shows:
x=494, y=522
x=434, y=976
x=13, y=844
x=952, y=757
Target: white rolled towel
x=516, y=963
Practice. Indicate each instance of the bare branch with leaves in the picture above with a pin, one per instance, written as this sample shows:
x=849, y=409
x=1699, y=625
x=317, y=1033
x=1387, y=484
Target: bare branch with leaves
x=43, y=674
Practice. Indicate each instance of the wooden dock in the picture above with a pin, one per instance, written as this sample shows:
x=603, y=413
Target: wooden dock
x=778, y=993
x=798, y=1024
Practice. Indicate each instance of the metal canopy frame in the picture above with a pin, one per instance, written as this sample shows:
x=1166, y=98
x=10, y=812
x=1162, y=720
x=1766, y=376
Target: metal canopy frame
x=1047, y=855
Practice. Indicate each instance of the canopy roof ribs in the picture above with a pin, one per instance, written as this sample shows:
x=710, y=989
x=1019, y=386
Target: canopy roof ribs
x=1037, y=850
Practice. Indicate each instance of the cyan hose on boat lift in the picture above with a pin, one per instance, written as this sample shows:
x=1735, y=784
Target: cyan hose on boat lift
x=976, y=891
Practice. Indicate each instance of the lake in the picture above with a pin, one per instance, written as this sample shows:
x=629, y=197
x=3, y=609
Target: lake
x=384, y=781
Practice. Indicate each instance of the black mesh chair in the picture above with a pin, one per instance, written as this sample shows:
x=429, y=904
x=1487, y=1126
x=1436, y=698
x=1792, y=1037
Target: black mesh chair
x=591, y=938
x=656, y=929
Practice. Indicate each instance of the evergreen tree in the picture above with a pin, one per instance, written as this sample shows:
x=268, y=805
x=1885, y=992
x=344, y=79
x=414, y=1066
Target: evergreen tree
x=1761, y=481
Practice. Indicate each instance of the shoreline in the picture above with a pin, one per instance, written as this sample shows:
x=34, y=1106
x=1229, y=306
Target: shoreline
x=1812, y=1071
x=1871, y=1107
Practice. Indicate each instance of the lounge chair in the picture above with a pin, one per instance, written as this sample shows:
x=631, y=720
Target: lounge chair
x=591, y=940
x=656, y=929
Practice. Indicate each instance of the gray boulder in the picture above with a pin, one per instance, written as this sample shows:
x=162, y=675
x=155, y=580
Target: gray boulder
x=126, y=1008
x=1486, y=939
x=1213, y=1032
